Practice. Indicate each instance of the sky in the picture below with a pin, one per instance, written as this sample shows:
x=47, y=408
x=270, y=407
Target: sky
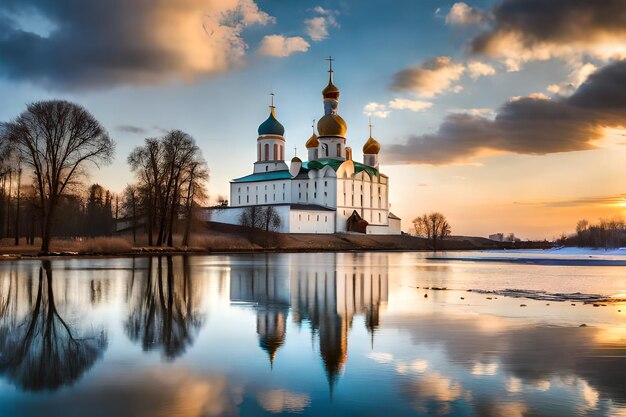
x=505, y=115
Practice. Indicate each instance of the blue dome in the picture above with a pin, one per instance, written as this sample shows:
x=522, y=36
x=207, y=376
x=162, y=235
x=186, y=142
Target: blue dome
x=271, y=126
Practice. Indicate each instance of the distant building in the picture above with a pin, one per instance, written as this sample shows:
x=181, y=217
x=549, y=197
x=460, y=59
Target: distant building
x=328, y=193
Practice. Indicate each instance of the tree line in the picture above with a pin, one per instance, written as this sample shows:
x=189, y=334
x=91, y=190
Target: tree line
x=606, y=233
x=45, y=155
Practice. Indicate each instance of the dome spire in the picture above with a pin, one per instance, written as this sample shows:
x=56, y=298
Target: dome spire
x=330, y=70
x=271, y=126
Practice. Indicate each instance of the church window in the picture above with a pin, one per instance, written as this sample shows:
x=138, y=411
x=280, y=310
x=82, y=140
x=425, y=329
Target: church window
x=247, y=189
x=307, y=185
x=379, y=202
x=275, y=152
x=361, y=201
x=265, y=187
x=325, y=194
x=282, y=153
x=299, y=195
x=325, y=183
x=239, y=199
x=274, y=197
x=307, y=196
x=344, y=199
x=308, y=217
x=379, y=218
x=267, y=168
x=247, y=199
x=273, y=186
x=326, y=219
x=339, y=149
x=299, y=216
x=318, y=217
x=257, y=188
x=352, y=200
x=266, y=198
x=315, y=185
x=283, y=196
x=267, y=152
x=257, y=199
x=258, y=152
x=283, y=185
x=314, y=195
x=299, y=185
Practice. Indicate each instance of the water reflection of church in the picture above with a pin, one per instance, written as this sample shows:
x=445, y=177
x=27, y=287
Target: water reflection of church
x=325, y=295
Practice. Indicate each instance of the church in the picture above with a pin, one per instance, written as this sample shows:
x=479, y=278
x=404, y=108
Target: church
x=328, y=193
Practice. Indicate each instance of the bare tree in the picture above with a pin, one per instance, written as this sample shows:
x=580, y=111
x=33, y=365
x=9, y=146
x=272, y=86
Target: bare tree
x=172, y=175
x=271, y=219
x=130, y=202
x=57, y=139
x=433, y=226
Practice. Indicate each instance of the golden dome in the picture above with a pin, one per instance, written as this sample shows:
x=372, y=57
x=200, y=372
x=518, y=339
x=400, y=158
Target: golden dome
x=331, y=91
x=332, y=125
x=312, y=142
x=371, y=146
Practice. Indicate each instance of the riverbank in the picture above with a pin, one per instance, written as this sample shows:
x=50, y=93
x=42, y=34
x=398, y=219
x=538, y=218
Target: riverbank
x=218, y=238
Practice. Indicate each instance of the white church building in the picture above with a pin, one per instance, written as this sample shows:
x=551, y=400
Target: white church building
x=328, y=193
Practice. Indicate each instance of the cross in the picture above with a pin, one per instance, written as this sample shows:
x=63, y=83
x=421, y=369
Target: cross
x=330, y=71
x=330, y=62
x=272, y=100
x=295, y=151
x=370, y=125
x=313, y=126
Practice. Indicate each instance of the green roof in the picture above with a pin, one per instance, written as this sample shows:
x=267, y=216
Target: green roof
x=265, y=176
x=336, y=163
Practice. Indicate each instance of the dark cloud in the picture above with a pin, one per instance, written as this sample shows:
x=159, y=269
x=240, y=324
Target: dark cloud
x=97, y=43
x=533, y=125
x=581, y=202
x=429, y=78
x=131, y=129
x=524, y=30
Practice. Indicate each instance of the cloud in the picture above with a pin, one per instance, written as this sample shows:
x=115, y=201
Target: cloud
x=430, y=78
x=479, y=69
x=381, y=111
x=413, y=105
x=280, y=46
x=96, y=44
x=613, y=200
x=131, y=129
x=532, y=125
x=526, y=30
x=374, y=109
x=462, y=14
x=317, y=27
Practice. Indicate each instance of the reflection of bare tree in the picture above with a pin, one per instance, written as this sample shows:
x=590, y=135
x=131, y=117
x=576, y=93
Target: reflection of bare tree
x=163, y=308
x=41, y=351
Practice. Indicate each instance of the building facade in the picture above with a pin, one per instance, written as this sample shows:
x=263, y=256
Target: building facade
x=328, y=193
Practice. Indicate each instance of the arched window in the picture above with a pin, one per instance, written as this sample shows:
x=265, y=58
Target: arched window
x=282, y=153
x=339, y=150
x=275, y=152
x=258, y=158
x=267, y=152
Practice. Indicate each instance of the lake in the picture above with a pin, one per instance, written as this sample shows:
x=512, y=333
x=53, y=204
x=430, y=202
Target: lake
x=317, y=334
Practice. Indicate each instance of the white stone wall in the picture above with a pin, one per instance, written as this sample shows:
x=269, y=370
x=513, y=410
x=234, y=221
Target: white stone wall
x=366, y=194
x=332, y=142
x=260, y=192
x=312, y=221
x=231, y=215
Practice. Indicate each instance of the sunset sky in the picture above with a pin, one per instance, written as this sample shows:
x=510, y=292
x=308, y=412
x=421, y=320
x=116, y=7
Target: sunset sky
x=506, y=115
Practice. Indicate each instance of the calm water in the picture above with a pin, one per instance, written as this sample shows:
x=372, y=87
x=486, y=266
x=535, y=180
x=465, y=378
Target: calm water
x=315, y=334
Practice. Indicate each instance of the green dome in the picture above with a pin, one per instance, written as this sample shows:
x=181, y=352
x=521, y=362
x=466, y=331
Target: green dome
x=271, y=126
